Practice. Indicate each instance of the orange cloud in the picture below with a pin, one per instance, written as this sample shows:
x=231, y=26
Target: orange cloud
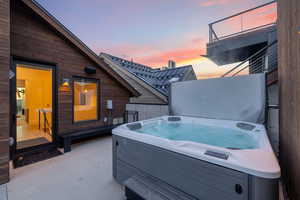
x=190, y=49
x=155, y=57
x=178, y=55
x=210, y=75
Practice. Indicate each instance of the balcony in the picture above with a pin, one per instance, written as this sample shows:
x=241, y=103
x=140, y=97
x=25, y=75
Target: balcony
x=237, y=37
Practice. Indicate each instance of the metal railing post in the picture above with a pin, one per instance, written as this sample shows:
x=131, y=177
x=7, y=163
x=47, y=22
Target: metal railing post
x=210, y=33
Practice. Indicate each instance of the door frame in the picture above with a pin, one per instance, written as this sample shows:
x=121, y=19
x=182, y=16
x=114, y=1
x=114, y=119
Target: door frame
x=13, y=121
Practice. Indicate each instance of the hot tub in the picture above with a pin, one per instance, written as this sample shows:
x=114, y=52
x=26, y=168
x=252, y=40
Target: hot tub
x=205, y=158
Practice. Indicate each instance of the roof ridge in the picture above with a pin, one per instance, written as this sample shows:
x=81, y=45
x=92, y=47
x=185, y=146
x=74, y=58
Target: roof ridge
x=127, y=60
x=155, y=69
x=158, y=79
x=45, y=15
x=185, y=66
x=135, y=75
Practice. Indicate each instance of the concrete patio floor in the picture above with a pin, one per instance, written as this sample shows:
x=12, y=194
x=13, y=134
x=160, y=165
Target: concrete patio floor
x=84, y=173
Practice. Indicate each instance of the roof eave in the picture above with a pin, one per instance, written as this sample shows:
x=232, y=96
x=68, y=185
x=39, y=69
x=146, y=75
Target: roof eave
x=53, y=22
x=154, y=90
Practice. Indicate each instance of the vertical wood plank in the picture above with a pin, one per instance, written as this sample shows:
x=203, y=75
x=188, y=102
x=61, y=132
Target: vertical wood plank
x=289, y=81
x=4, y=91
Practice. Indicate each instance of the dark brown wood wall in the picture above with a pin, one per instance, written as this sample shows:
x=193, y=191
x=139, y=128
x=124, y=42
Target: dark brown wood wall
x=289, y=81
x=4, y=91
x=34, y=39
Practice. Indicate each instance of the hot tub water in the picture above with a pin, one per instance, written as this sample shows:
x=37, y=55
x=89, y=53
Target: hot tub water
x=211, y=135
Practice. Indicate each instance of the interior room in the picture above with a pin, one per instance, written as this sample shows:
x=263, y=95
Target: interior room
x=33, y=106
x=85, y=99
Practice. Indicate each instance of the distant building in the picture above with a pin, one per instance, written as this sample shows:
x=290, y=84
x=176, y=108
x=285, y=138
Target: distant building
x=151, y=83
x=171, y=64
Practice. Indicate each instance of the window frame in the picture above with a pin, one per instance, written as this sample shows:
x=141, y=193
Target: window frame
x=98, y=109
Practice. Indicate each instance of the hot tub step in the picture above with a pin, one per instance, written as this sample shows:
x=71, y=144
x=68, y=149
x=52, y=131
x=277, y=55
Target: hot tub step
x=148, y=188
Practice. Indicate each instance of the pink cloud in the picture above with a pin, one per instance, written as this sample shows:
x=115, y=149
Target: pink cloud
x=178, y=55
x=264, y=15
x=192, y=47
x=252, y=19
x=207, y=3
x=155, y=58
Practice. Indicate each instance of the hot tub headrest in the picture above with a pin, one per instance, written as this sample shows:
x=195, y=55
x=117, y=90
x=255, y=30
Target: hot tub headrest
x=245, y=126
x=134, y=126
x=174, y=119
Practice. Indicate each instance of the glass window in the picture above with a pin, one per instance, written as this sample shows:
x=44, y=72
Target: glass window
x=85, y=99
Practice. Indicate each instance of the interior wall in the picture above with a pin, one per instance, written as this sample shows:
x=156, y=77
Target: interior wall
x=38, y=91
x=88, y=110
x=289, y=80
x=4, y=88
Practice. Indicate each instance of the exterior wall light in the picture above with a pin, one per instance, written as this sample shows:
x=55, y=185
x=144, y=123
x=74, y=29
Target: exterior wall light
x=65, y=85
x=65, y=82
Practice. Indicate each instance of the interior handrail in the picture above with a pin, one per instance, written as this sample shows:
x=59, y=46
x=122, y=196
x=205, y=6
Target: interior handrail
x=47, y=124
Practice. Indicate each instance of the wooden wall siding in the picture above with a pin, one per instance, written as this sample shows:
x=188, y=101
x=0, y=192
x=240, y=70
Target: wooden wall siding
x=34, y=39
x=4, y=85
x=289, y=81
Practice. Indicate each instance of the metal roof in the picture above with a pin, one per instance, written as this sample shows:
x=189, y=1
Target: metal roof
x=158, y=79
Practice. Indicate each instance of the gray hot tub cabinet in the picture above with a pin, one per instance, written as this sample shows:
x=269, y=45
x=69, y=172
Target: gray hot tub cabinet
x=200, y=179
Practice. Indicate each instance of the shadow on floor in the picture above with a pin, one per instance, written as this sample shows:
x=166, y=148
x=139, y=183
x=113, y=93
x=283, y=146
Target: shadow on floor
x=84, y=173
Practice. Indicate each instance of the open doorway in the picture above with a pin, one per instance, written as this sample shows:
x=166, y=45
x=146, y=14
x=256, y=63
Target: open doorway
x=32, y=98
x=33, y=106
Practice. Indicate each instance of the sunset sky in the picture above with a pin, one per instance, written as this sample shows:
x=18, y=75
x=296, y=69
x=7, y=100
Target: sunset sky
x=151, y=31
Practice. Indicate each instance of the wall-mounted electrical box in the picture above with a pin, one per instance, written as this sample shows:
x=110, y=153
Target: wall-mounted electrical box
x=109, y=104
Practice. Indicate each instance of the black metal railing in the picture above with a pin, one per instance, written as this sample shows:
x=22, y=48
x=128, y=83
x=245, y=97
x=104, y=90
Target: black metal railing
x=260, y=17
x=264, y=60
x=131, y=116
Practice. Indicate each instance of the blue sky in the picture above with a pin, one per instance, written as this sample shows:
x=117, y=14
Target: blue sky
x=147, y=31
